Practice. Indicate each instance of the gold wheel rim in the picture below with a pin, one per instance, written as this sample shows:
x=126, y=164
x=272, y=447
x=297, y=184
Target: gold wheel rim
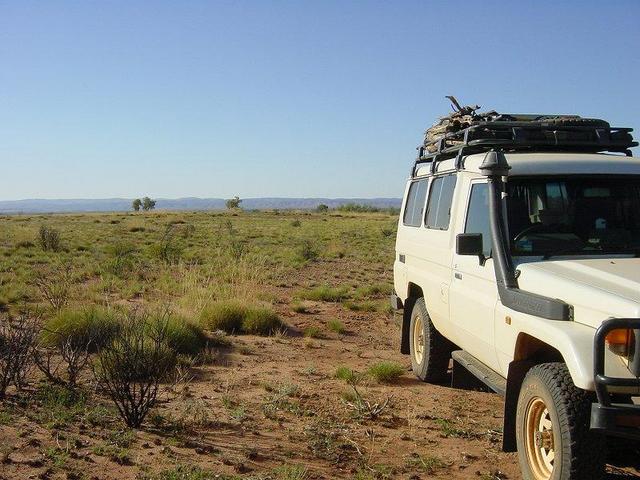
x=418, y=340
x=539, y=439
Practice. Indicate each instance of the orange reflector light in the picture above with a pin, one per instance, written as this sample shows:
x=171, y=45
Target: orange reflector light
x=619, y=341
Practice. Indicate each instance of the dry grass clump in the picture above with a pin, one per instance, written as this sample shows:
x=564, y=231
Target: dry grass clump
x=234, y=317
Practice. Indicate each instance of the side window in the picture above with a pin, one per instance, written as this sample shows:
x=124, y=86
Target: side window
x=415, y=203
x=478, y=216
x=439, y=205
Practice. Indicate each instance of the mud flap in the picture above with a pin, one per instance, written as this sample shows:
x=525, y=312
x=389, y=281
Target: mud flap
x=515, y=376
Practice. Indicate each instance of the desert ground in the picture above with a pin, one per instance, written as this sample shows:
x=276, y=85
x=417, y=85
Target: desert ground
x=317, y=390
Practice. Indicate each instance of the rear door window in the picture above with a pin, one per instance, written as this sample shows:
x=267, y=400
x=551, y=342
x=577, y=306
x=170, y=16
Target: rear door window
x=415, y=203
x=438, y=213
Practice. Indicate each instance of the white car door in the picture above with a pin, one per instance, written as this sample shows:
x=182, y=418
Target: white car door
x=473, y=292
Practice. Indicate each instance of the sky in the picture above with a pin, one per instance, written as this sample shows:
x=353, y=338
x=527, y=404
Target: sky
x=283, y=98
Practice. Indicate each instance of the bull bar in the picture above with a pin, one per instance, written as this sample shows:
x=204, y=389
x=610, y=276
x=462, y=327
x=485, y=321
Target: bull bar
x=615, y=419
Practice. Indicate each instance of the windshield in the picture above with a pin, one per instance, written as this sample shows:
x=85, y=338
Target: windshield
x=574, y=216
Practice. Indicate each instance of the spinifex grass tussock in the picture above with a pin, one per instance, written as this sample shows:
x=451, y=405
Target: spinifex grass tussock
x=92, y=327
x=182, y=335
x=236, y=317
x=325, y=293
x=386, y=372
x=336, y=326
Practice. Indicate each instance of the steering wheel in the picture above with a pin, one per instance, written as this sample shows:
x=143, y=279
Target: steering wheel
x=532, y=228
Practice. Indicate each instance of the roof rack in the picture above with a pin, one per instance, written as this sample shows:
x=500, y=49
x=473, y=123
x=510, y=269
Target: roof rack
x=528, y=136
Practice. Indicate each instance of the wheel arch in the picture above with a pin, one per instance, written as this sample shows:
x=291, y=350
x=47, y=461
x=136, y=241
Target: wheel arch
x=414, y=292
x=529, y=351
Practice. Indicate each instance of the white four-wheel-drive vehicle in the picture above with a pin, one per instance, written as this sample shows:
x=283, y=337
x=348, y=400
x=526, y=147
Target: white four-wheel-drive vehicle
x=517, y=256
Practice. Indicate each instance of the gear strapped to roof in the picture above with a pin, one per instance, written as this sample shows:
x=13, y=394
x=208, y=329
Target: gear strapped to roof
x=466, y=131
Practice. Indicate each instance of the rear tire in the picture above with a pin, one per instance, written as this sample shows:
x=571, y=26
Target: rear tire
x=552, y=428
x=430, y=351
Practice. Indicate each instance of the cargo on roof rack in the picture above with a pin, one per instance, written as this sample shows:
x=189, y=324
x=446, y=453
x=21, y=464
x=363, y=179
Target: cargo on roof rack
x=528, y=133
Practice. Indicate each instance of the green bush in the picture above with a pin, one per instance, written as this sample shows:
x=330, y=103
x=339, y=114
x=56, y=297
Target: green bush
x=357, y=208
x=376, y=290
x=182, y=336
x=347, y=374
x=308, y=251
x=368, y=306
x=49, y=238
x=261, y=321
x=235, y=317
x=325, y=293
x=386, y=372
x=313, y=332
x=223, y=315
x=336, y=326
x=91, y=327
x=299, y=307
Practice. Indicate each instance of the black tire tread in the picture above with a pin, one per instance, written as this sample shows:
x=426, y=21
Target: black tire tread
x=584, y=455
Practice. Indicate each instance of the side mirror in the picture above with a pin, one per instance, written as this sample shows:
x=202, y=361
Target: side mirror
x=469, y=244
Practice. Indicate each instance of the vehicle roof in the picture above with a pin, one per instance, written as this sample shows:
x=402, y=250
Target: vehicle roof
x=548, y=163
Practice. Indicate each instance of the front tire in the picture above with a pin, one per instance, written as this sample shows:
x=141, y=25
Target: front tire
x=430, y=351
x=553, y=436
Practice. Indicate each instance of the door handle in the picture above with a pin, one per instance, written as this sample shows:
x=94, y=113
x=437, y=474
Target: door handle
x=458, y=275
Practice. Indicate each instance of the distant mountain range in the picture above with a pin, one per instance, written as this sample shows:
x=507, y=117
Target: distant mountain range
x=124, y=204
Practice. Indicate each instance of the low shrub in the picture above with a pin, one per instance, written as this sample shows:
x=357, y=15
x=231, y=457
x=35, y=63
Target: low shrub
x=183, y=336
x=122, y=258
x=308, y=251
x=223, y=315
x=60, y=405
x=261, y=321
x=376, y=290
x=131, y=368
x=386, y=372
x=336, y=326
x=68, y=340
x=49, y=238
x=17, y=339
x=325, y=293
x=368, y=306
x=347, y=374
x=235, y=317
x=299, y=307
x=312, y=332
x=91, y=327
x=352, y=207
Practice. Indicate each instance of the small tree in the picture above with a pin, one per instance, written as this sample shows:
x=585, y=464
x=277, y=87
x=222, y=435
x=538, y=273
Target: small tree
x=17, y=339
x=49, y=238
x=233, y=203
x=322, y=208
x=132, y=367
x=136, y=204
x=148, y=204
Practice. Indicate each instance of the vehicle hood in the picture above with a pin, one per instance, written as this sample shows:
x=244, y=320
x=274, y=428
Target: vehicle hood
x=598, y=288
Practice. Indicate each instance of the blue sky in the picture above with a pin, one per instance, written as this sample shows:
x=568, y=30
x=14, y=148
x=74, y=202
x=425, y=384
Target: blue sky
x=283, y=98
